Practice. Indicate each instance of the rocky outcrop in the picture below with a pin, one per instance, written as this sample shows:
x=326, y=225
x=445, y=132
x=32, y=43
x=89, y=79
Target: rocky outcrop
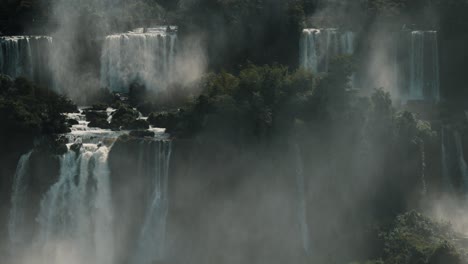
x=124, y=117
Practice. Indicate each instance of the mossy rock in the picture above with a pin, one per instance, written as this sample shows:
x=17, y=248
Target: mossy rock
x=92, y=115
x=72, y=122
x=163, y=119
x=99, y=123
x=76, y=147
x=124, y=117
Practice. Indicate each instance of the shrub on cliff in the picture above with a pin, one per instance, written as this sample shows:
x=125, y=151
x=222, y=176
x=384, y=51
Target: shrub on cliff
x=415, y=238
x=28, y=109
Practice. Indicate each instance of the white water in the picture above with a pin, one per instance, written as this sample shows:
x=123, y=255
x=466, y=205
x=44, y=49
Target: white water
x=319, y=46
x=302, y=207
x=146, y=56
x=26, y=56
x=151, y=241
x=76, y=216
x=82, y=132
x=16, y=222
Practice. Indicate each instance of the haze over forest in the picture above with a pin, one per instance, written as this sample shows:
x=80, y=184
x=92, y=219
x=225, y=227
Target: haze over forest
x=233, y=131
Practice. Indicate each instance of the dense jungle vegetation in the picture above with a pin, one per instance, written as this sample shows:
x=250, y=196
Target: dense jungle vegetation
x=256, y=95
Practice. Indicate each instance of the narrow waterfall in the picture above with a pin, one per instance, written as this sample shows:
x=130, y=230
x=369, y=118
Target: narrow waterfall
x=447, y=182
x=347, y=43
x=302, y=206
x=319, y=46
x=151, y=241
x=16, y=223
x=75, y=218
x=416, y=90
x=422, y=149
x=146, y=56
x=419, y=72
x=26, y=56
x=461, y=161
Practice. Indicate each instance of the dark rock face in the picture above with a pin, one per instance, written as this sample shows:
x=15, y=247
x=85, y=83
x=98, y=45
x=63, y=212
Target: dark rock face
x=12, y=149
x=43, y=172
x=76, y=147
x=99, y=123
x=72, y=122
x=97, y=119
x=130, y=162
x=137, y=124
x=92, y=115
x=142, y=133
x=45, y=169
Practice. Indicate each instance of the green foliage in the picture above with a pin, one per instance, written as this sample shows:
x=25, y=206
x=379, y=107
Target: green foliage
x=245, y=105
x=414, y=238
x=409, y=129
x=28, y=109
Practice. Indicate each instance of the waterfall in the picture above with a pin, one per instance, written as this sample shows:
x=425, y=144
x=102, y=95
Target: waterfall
x=319, y=46
x=420, y=73
x=445, y=168
x=26, y=56
x=461, y=161
x=75, y=218
x=417, y=70
x=144, y=56
x=423, y=167
x=302, y=209
x=16, y=223
x=151, y=241
x=347, y=43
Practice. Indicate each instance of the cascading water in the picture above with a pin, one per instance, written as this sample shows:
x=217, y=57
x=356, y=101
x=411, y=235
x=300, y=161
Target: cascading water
x=419, y=71
x=146, y=56
x=302, y=211
x=26, y=56
x=76, y=217
x=75, y=222
x=83, y=132
x=16, y=223
x=151, y=241
x=319, y=46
